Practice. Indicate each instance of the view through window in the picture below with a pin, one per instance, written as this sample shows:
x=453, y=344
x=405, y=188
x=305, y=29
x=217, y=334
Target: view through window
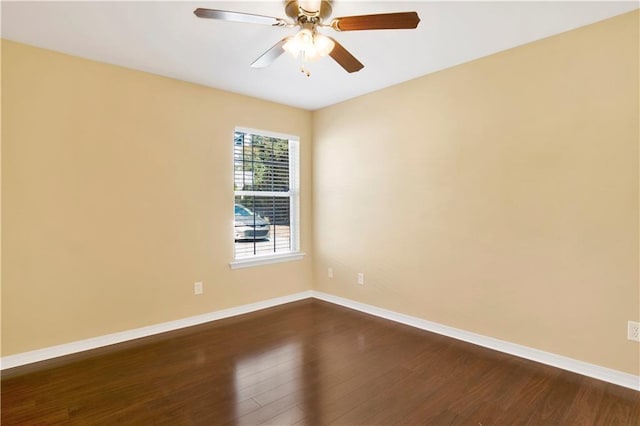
x=266, y=194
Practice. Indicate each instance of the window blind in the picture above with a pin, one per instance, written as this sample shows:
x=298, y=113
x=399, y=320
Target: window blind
x=266, y=196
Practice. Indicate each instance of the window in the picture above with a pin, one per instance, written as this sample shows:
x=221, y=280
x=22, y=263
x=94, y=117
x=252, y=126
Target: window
x=265, y=168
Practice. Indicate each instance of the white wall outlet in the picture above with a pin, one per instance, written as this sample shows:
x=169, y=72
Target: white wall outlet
x=361, y=278
x=197, y=287
x=633, y=331
x=330, y=272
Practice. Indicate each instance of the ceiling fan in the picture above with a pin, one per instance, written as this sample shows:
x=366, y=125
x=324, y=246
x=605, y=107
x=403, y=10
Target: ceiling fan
x=309, y=44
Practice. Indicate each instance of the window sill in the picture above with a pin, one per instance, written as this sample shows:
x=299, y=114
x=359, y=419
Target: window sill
x=265, y=260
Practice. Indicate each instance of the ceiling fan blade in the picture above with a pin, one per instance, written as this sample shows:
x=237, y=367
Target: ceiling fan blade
x=344, y=58
x=270, y=55
x=238, y=17
x=383, y=21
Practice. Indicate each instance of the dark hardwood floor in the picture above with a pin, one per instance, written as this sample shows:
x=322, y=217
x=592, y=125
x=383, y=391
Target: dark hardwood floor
x=307, y=362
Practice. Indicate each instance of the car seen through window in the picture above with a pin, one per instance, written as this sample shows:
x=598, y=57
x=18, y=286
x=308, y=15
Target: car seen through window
x=249, y=225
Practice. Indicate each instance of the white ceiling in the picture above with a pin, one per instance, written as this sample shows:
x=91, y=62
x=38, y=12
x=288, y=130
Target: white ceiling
x=166, y=38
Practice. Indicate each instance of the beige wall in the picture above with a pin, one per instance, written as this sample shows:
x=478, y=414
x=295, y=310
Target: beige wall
x=499, y=196
x=117, y=196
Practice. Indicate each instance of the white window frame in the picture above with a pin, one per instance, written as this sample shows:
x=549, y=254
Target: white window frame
x=294, y=205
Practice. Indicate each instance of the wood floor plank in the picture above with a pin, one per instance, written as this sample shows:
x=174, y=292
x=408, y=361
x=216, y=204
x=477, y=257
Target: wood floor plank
x=306, y=363
x=289, y=417
x=617, y=407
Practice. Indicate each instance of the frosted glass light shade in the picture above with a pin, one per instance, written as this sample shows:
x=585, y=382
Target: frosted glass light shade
x=310, y=45
x=324, y=45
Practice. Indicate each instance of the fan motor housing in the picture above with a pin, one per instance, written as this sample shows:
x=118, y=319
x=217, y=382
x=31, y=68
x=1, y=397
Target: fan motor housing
x=293, y=9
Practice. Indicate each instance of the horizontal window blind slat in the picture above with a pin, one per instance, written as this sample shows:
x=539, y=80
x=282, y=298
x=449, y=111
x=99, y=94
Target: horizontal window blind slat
x=283, y=194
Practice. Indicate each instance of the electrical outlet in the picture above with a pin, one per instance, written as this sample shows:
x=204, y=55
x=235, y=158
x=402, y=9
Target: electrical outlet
x=633, y=331
x=197, y=287
x=330, y=272
x=360, y=278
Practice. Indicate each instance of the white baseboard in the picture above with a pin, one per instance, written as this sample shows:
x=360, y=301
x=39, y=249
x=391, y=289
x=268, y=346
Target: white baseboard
x=16, y=360
x=565, y=363
x=591, y=370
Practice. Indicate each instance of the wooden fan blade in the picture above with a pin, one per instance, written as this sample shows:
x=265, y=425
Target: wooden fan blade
x=237, y=17
x=383, y=21
x=344, y=58
x=270, y=55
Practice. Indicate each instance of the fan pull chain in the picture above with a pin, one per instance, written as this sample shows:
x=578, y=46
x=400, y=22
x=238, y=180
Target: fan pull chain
x=303, y=68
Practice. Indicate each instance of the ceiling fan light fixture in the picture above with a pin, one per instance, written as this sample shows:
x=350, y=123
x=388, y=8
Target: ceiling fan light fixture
x=309, y=44
x=301, y=43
